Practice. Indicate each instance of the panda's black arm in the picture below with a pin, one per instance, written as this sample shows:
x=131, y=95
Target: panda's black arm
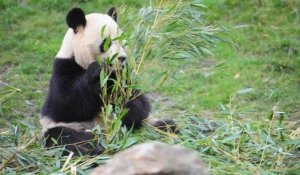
x=74, y=77
x=90, y=77
x=73, y=92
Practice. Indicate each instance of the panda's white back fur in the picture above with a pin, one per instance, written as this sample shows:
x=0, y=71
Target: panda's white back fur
x=47, y=123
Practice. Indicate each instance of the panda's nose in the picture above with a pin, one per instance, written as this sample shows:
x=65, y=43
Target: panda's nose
x=121, y=59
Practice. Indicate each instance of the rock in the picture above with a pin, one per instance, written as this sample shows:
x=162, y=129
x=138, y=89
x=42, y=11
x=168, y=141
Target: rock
x=153, y=159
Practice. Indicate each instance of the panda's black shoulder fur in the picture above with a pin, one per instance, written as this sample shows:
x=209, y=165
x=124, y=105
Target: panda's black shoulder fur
x=73, y=92
x=74, y=95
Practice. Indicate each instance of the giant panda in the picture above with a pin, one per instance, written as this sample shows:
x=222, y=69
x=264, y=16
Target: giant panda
x=73, y=101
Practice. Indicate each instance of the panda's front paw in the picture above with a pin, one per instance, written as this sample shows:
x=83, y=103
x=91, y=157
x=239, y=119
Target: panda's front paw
x=94, y=71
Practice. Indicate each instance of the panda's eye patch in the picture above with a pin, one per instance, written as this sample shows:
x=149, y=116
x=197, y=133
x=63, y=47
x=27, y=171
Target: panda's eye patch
x=105, y=45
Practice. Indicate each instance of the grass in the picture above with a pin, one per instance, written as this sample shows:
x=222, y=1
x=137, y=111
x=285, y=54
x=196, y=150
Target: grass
x=238, y=107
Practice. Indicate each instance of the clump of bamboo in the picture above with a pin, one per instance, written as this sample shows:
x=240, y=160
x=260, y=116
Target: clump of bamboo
x=163, y=31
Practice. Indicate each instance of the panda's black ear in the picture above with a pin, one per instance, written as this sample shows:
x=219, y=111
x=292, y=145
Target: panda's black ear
x=75, y=18
x=113, y=13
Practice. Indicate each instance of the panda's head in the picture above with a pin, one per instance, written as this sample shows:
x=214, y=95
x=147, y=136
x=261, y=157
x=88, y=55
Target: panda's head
x=87, y=35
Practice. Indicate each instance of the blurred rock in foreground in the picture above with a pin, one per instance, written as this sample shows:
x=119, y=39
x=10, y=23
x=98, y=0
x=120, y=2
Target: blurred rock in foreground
x=153, y=159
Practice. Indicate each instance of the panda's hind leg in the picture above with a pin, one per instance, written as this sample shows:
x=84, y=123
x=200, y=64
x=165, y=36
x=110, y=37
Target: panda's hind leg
x=79, y=142
x=138, y=110
x=166, y=125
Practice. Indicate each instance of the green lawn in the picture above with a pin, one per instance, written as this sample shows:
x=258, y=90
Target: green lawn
x=239, y=108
